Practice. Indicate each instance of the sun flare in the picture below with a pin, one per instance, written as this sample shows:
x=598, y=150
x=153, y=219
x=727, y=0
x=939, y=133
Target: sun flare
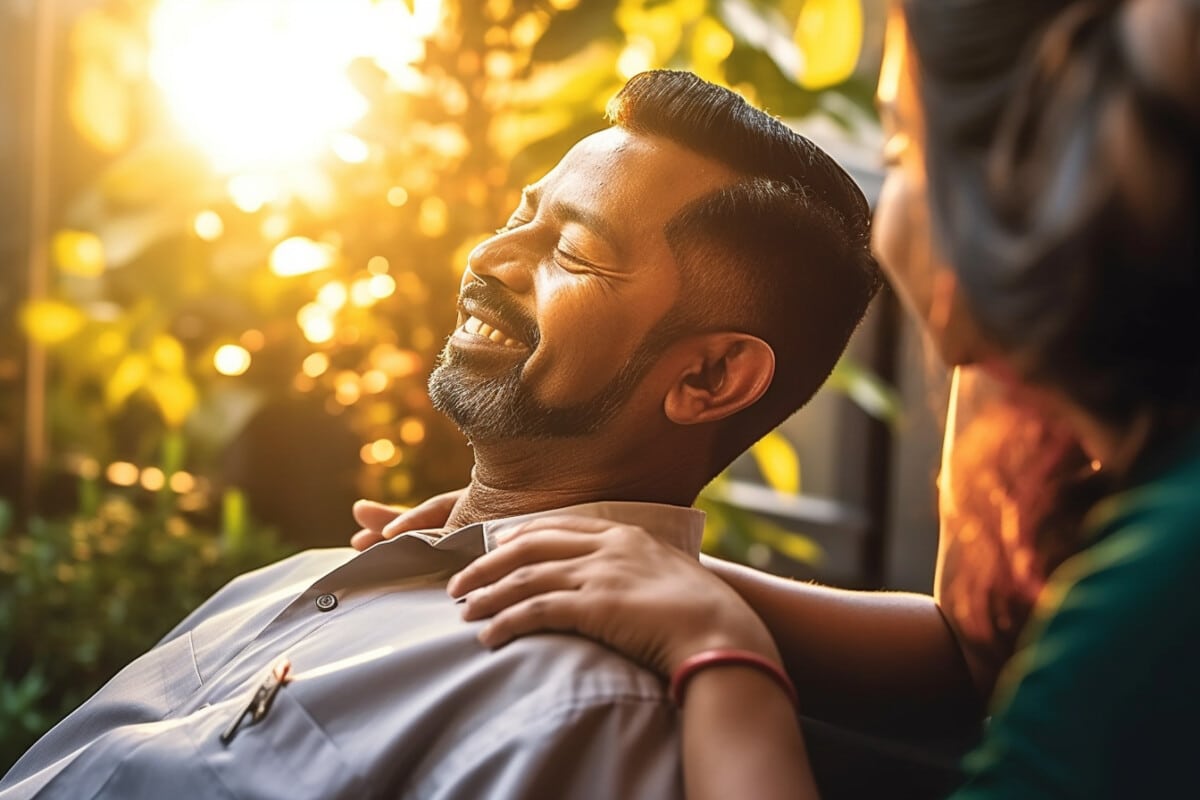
x=264, y=84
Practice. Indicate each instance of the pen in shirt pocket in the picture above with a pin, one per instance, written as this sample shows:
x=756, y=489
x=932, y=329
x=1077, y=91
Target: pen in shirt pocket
x=282, y=674
x=262, y=699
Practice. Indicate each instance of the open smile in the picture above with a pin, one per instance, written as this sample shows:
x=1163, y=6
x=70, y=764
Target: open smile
x=475, y=331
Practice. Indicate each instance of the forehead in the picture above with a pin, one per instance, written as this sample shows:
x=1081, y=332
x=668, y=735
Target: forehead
x=635, y=180
x=896, y=93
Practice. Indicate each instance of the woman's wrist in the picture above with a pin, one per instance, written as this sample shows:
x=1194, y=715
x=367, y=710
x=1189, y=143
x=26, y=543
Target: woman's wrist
x=748, y=633
x=722, y=658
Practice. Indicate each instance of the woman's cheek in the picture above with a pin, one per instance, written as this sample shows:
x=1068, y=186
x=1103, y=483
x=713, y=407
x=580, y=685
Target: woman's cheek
x=900, y=238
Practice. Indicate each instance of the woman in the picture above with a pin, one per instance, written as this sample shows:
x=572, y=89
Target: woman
x=1063, y=186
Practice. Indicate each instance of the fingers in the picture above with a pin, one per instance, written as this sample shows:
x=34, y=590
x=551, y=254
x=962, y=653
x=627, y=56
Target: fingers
x=432, y=513
x=520, y=585
x=554, y=611
x=529, y=548
x=381, y=521
x=365, y=538
x=375, y=516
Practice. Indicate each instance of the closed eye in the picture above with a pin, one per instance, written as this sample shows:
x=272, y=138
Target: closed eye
x=568, y=256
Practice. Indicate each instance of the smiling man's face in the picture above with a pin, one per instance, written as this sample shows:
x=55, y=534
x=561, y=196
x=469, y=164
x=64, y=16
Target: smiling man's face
x=556, y=307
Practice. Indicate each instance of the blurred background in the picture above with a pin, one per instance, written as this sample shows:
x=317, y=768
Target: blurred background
x=231, y=233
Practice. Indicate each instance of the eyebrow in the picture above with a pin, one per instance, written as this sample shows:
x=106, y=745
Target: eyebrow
x=571, y=212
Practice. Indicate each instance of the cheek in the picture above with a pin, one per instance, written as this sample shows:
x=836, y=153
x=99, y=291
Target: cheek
x=902, y=242
x=587, y=334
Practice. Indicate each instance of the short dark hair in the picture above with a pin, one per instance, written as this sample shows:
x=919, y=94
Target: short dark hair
x=782, y=254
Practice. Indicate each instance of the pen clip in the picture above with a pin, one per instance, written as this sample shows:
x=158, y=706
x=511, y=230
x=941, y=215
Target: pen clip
x=261, y=700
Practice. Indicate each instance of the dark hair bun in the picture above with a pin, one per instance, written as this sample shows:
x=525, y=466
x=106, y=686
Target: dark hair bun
x=1078, y=249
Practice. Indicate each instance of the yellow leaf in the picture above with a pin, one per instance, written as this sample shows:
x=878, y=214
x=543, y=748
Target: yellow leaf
x=98, y=102
x=512, y=131
x=79, y=253
x=711, y=45
x=167, y=353
x=127, y=378
x=795, y=546
x=829, y=34
x=108, y=52
x=174, y=395
x=778, y=462
x=50, y=322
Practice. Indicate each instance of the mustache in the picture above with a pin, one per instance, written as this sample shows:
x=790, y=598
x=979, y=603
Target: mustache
x=511, y=316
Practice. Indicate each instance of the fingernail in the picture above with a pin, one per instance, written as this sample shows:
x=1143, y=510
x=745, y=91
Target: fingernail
x=486, y=635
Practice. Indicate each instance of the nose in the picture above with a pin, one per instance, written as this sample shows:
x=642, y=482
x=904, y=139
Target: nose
x=503, y=259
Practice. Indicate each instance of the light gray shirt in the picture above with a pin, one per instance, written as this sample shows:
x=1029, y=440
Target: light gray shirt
x=391, y=695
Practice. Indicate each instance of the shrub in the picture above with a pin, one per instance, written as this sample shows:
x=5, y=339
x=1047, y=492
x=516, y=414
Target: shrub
x=83, y=595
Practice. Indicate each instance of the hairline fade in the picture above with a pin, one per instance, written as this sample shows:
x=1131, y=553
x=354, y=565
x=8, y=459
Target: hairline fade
x=783, y=253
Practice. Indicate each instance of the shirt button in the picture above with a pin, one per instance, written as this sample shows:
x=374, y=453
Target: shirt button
x=326, y=602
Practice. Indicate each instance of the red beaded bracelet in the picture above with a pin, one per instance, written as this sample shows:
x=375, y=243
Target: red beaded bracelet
x=726, y=657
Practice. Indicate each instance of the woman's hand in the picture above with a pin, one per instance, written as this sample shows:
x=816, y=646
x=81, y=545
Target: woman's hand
x=613, y=583
x=380, y=522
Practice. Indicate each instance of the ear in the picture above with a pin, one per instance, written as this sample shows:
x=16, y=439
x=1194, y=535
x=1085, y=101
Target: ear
x=722, y=374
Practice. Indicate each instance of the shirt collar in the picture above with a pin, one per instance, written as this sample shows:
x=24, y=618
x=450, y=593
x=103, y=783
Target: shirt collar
x=678, y=526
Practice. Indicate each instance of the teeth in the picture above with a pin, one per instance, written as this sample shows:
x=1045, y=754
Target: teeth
x=478, y=327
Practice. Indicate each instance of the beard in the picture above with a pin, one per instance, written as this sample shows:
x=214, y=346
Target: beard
x=502, y=406
x=495, y=406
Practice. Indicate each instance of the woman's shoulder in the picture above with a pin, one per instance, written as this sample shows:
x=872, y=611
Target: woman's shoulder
x=1126, y=588
x=1156, y=522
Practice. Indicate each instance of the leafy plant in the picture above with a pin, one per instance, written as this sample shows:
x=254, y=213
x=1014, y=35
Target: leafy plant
x=81, y=596
x=246, y=245
x=744, y=536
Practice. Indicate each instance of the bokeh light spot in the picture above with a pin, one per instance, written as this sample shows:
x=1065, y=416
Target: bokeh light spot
x=182, y=482
x=231, y=359
x=153, y=479
x=412, y=431
x=397, y=196
x=208, y=225
x=315, y=365
x=122, y=473
x=381, y=286
x=300, y=256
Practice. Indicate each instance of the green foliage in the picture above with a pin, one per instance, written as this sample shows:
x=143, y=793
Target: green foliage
x=83, y=595
x=740, y=535
x=867, y=391
x=335, y=273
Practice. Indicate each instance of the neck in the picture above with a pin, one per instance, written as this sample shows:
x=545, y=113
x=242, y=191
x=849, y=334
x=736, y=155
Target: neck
x=513, y=478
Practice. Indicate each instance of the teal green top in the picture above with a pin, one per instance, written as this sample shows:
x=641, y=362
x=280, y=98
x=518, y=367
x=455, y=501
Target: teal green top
x=1102, y=699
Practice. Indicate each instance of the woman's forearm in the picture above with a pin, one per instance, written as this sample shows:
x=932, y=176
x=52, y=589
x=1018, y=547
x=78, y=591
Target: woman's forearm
x=885, y=662
x=741, y=738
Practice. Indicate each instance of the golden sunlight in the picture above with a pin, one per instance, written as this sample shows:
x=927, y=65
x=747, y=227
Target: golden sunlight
x=263, y=84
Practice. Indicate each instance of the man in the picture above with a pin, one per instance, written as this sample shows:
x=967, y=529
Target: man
x=673, y=289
